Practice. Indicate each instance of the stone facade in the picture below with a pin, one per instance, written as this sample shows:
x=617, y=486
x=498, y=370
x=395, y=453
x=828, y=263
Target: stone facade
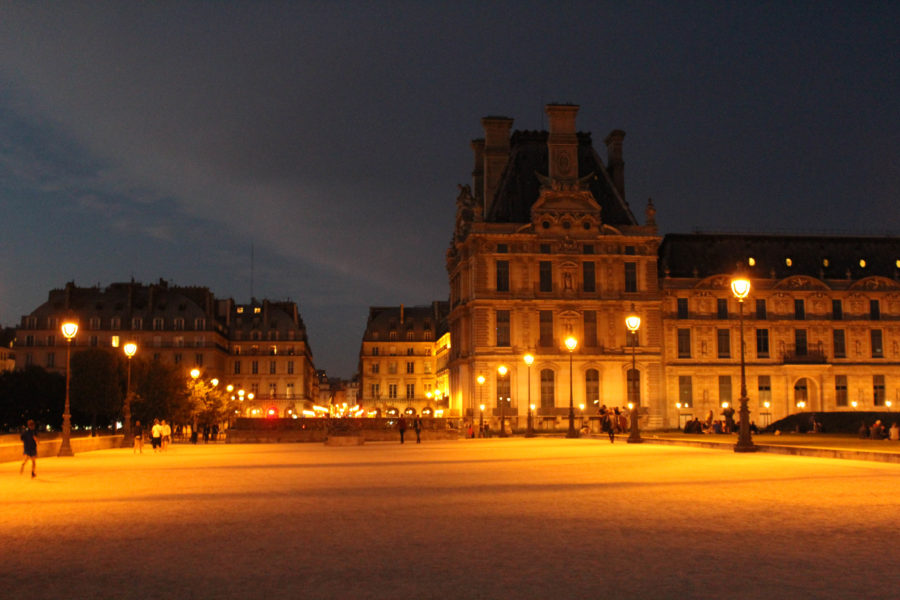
x=545, y=247
x=260, y=347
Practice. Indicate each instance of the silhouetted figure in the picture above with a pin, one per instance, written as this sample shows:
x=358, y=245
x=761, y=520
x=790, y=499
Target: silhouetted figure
x=417, y=425
x=29, y=448
x=401, y=426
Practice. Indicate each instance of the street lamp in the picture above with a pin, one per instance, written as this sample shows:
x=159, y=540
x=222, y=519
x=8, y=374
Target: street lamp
x=633, y=323
x=502, y=370
x=571, y=343
x=740, y=287
x=69, y=329
x=529, y=359
x=480, y=381
x=130, y=349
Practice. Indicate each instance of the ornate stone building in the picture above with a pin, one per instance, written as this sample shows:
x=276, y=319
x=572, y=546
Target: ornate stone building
x=399, y=359
x=821, y=324
x=546, y=247
x=260, y=347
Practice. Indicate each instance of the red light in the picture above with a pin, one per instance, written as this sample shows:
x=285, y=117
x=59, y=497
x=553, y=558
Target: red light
x=271, y=412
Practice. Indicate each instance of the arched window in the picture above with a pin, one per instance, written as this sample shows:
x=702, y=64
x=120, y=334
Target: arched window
x=634, y=385
x=592, y=388
x=503, y=388
x=548, y=388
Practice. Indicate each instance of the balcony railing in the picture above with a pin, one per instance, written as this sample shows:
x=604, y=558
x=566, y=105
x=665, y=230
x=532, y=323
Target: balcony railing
x=803, y=355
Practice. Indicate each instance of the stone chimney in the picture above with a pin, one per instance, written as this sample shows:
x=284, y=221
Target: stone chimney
x=496, y=154
x=478, y=171
x=615, y=164
x=562, y=143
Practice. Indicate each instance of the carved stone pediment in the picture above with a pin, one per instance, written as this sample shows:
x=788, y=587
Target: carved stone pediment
x=570, y=209
x=875, y=284
x=801, y=282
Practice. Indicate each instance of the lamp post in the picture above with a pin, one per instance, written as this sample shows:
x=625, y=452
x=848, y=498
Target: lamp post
x=480, y=381
x=130, y=349
x=740, y=287
x=571, y=343
x=529, y=359
x=503, y=371
x=69, y=329
x=633, y=323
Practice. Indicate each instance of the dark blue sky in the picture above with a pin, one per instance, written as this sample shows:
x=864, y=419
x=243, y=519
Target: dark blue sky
x=163, y=140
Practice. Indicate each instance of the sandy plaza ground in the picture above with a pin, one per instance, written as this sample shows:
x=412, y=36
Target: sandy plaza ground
x=491, y=518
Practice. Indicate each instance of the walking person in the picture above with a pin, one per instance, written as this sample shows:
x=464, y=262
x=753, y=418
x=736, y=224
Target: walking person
x=401, y=425
x=29, y=448
x=138, y=438
x=156, y=435
x=166, y=435
x=417, y=425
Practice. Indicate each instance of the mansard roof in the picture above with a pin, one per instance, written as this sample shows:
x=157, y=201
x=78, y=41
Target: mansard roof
x=519, y=185
x=779, y=256
x=401, y=319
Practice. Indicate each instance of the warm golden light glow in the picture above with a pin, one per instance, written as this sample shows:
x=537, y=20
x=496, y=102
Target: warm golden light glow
x=581, y=406
x=229, y=388
x=482, y=408
x=862, y=263
x=529, y=359
x=740, y=287
x=725, y=405
x=250, y=395
x=532, y=407
x=480, y=380
x=130, y=349
x=69, y=329
x=195, y=373
x=502, y=370
x=571, y=343
x=633, y=322
x=751, y=261
x=678, y=405
x=214, y=382
x=630, y=405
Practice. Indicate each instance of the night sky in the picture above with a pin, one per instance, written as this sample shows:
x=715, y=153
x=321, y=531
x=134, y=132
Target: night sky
x=173, y=140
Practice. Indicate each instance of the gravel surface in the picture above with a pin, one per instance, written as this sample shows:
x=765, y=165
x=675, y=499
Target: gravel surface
x=513, y=518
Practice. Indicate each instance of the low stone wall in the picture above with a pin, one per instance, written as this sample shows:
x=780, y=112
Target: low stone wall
x=49, y=446
x=278, y=431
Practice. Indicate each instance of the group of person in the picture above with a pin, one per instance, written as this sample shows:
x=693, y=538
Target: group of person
x=613, y=421
x=726, y=424
x=417, y=426
x=877, y=431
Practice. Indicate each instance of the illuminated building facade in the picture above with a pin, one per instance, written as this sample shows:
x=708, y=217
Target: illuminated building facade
x=260, y=347
x=546, y=248
x=399, y=360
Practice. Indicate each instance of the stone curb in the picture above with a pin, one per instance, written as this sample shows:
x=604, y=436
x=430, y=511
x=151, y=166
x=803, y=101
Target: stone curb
x=888, y=457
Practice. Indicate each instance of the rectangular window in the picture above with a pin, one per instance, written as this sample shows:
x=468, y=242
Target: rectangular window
x=158, y=324
x=198, y=359
x=137, y=323
x=587, y=249
x=272, y=367
x=840, y=390
x=545, y=248
x=761, y=309
x=837, y=310
x=178, y=358
x=684, y=343
x=546, y=328
x=374, y=390
x=840, y=347
x=289, y=390
x=590, y=328
x=273, y=390
x=721, y=308
x=631, y=277
x=410, y=368
x=410, y=391
x=392, y=368
x=685, y=391
x=546, y=275
x=589, y=283
x=237, y=367
x=503, y=328
x=392, y=391
x=683, y=308
x=877, y=348
x=800, y=342
x=254, y=367
x=723, y=343
x=764, y=388
x=874, y=310
x=799, y=309
x=724, y=389
x=502, y=248
x=878, y=389
x=502, y=275
x=762, y=343
x=290, y=367
x=51, y=359
x=547, y=389
x=503, y=388
x=375, y=368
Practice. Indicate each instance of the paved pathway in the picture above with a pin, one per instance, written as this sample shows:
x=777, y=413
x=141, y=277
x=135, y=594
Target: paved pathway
x=513, y=518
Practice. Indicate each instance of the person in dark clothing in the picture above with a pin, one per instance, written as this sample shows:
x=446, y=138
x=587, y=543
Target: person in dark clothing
x=138, y=438
x=417, y=425
x=29, y=448
x=401, y=426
